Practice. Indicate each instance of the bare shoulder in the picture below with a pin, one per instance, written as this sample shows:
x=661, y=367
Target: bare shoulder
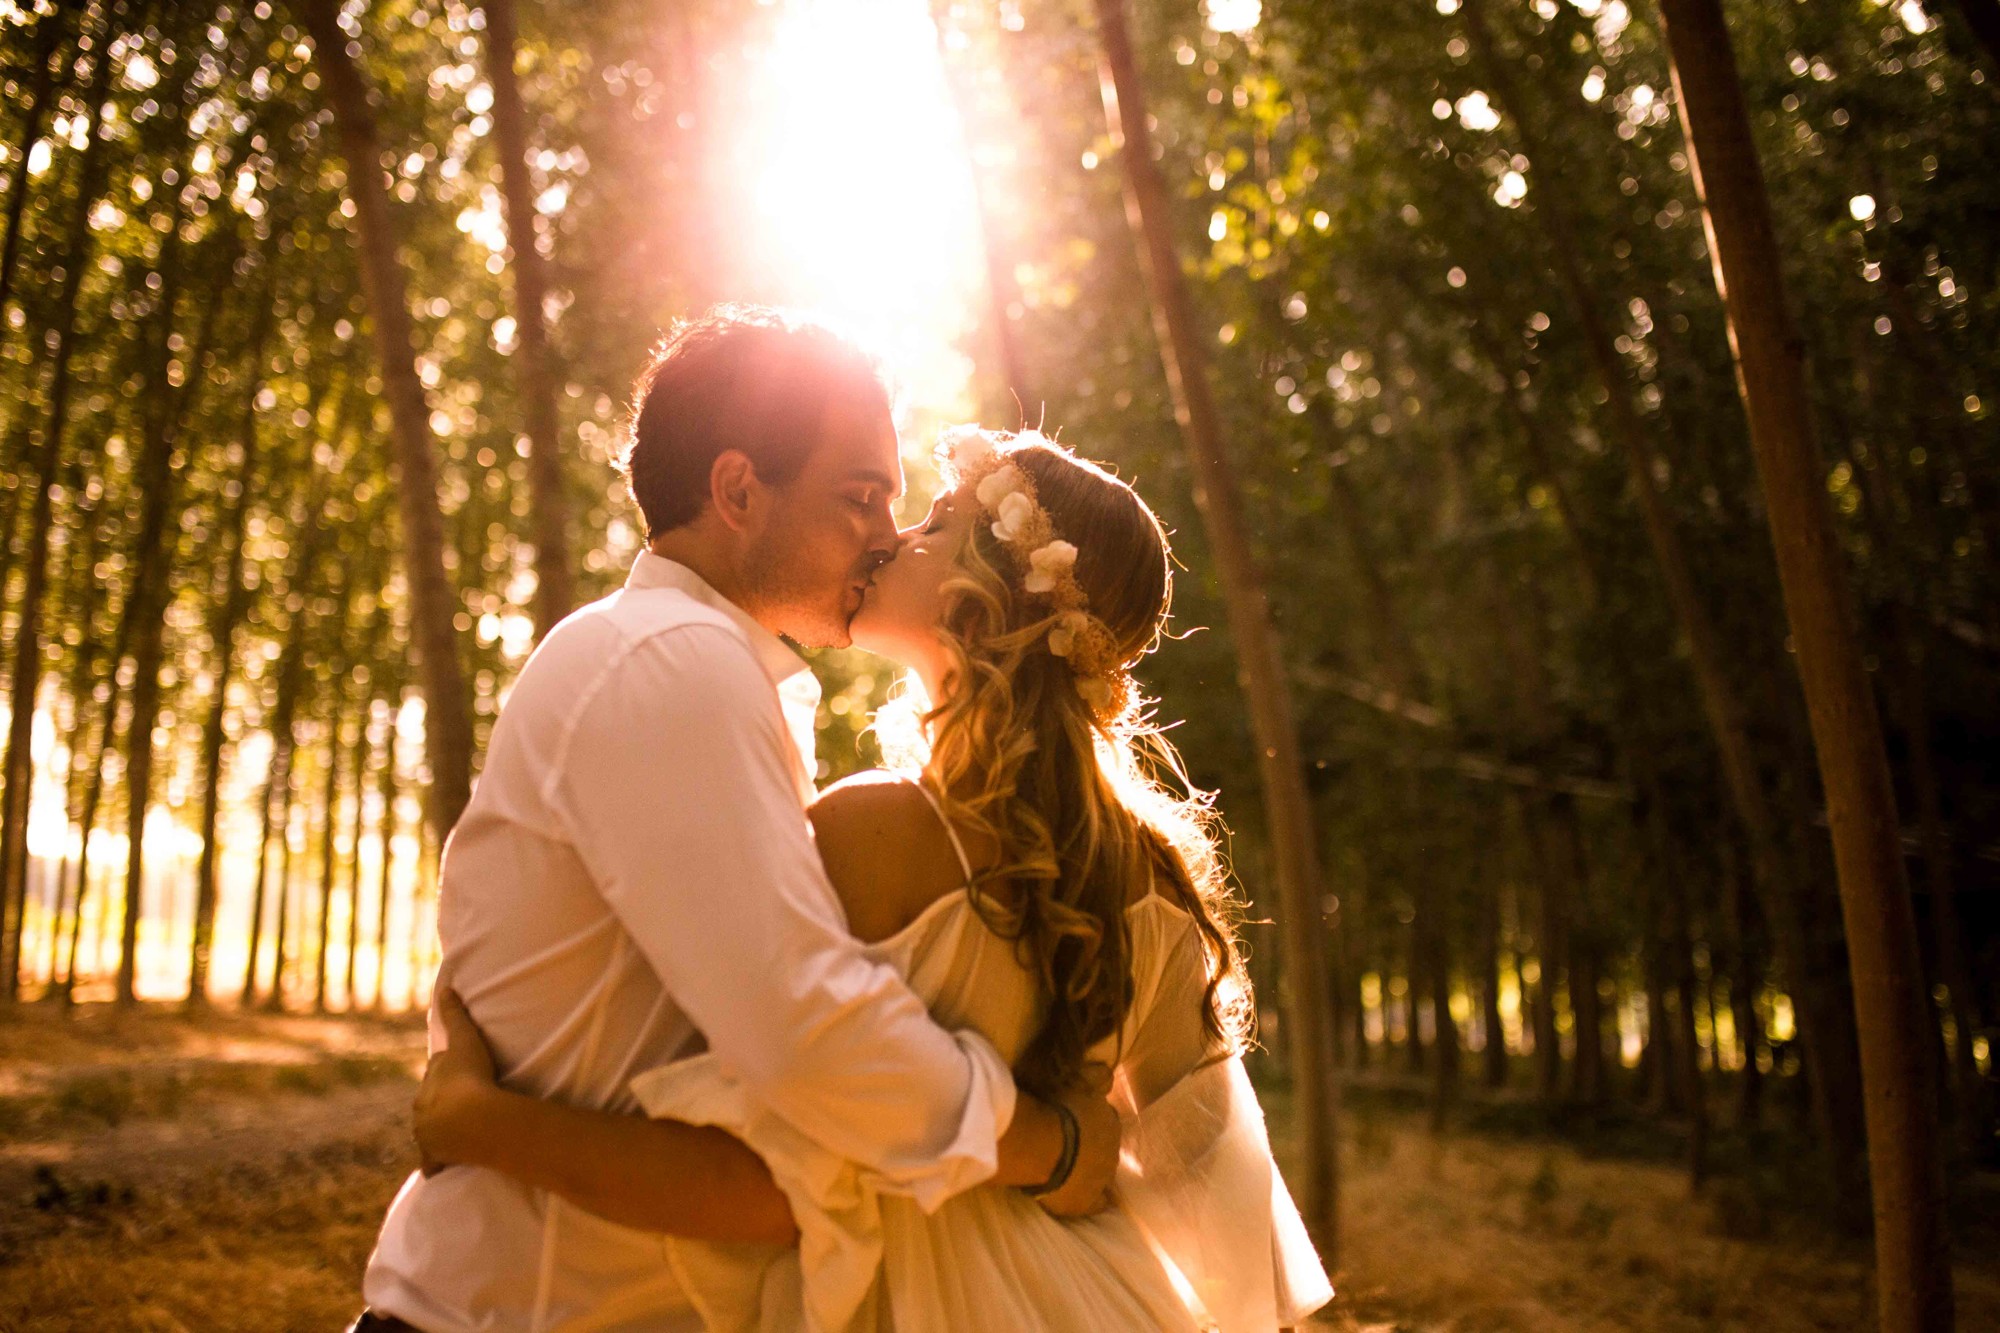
x=884, y=849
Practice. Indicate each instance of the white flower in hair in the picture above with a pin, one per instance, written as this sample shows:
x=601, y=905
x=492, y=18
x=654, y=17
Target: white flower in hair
x=1096, y=693
x=1047, y=566
x=998, y=485
x=1069, y=626
x=969, y=447
x=1011, y=516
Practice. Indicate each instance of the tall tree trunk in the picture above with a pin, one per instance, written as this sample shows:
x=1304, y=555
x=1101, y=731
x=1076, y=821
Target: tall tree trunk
x=1746, y=980
x=1436, y=940
x=277, y=786
x=387, y=834
x=17, y=770
x=539, y=380
x=230, y=609
x=49, y=32
x=284, y=928
x=1551, y=944
x=1912, y=1250
x=86, y=823
x=85, y=591
x=358, y=765
x=1266, y=688
x=329, y=848
x=152, y=564
x=1493, y=1057
x=291, y=681
x=433, y=604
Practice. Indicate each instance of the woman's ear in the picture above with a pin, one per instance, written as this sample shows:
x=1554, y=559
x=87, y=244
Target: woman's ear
x=733, y=487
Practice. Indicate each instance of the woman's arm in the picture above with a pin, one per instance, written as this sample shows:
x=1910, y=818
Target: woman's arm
x=655, y=1175
x=683, y=1180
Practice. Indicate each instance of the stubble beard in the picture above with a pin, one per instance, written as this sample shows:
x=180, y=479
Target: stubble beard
x=814, y=616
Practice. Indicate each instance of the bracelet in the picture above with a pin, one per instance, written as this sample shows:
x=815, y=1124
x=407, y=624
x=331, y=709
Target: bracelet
x=1072, y=1140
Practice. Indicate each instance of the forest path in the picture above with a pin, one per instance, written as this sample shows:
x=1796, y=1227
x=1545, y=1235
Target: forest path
x=229, y=1172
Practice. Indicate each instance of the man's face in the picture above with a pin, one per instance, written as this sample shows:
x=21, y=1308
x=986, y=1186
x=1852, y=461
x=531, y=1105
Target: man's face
x=808, y=565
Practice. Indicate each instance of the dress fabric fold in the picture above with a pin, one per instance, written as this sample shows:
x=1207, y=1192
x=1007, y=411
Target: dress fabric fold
x=1202, y=1233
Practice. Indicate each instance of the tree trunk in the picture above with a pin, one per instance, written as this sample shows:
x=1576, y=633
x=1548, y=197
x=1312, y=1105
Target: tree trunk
x=284, y=928
x=1493, y=1056
x=291, y=680
x=539, y=380
x=85, y=591
x=433, y=604
x=388, y=837
x=1267, y=690
x=278, y=781
x=153, y=555
x=1746, y=979
x=329, y=849
x=1912, y=1251
x=1551, y=945
x=358, y=765
x=230, y=609
x=49, y=33
x=1444, y=1044
x=17, y=770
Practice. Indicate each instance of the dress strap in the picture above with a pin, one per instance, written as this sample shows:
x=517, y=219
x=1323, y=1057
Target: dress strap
x=937, y=808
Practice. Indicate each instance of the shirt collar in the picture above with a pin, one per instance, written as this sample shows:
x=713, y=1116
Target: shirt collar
x=784, y=666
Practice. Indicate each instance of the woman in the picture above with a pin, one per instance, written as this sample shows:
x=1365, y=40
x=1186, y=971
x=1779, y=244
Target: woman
x=1033, y=882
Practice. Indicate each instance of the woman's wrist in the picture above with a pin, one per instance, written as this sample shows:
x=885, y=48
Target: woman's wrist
x=1032, y=1146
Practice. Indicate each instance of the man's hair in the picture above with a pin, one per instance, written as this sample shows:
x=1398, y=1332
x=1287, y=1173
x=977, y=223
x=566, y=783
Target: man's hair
x=766, y=383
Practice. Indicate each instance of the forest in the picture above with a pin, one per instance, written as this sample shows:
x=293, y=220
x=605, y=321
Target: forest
x=1577, y=424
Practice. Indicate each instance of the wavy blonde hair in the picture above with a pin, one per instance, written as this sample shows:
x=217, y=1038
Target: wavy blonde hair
x=1079, y=806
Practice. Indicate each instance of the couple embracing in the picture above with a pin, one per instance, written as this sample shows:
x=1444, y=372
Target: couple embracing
x=945, y=1049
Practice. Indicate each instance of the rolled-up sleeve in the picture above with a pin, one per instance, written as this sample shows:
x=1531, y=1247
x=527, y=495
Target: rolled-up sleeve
x=675, y=784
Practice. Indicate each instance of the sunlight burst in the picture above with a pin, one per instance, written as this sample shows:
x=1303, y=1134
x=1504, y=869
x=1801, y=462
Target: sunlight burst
x=860, y=196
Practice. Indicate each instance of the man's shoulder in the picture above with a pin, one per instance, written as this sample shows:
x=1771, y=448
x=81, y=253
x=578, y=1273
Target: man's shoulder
x=602, y=637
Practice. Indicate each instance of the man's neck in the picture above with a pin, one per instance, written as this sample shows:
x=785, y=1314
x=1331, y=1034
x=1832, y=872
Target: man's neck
x=686, y=547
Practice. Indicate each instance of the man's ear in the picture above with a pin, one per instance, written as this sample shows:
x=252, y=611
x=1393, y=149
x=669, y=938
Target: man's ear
x=734, y=488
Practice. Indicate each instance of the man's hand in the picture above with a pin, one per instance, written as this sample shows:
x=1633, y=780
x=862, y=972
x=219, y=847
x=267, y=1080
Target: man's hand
x=456, y=1080
x=1088, y=1189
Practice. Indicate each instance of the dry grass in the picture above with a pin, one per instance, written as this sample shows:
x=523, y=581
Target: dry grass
x=229, y=1173
x=1486, y=1233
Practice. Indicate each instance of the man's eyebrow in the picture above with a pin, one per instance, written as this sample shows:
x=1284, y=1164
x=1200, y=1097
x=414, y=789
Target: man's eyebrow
x=875, y=477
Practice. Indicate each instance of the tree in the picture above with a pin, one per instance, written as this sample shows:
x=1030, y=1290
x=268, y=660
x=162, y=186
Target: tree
x=1266, y=688
x=433, y=605
x=26, y=675
x=1912, y=1257
x=539, y=378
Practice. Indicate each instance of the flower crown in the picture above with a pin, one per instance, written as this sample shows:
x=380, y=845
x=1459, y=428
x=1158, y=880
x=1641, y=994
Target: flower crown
x=969, y=456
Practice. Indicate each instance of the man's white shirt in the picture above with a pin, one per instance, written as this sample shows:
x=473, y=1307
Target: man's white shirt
x=635, y=867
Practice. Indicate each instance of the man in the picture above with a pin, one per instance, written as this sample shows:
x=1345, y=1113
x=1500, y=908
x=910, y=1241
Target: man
x=635, y=873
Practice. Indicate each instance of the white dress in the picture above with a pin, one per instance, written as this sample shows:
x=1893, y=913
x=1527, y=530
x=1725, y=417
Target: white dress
x=1202, y=1233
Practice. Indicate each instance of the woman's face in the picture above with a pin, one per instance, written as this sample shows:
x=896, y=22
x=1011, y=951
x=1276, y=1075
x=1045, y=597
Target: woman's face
x=902, y=614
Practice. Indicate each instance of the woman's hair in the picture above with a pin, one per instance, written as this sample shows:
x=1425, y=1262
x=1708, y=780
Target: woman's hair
x=1075, y=800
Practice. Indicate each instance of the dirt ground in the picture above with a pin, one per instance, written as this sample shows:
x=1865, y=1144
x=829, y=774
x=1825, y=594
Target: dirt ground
x=229, y=1174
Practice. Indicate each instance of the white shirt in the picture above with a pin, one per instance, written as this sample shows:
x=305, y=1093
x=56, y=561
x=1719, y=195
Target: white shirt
x=635, y=867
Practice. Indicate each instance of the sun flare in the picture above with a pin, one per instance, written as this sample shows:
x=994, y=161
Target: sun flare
x=860, y=203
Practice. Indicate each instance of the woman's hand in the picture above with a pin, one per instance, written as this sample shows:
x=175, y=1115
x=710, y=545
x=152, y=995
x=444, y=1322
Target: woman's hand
x=458, y=1082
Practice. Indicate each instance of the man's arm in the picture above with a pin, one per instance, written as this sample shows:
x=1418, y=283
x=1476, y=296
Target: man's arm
x=676, y=786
